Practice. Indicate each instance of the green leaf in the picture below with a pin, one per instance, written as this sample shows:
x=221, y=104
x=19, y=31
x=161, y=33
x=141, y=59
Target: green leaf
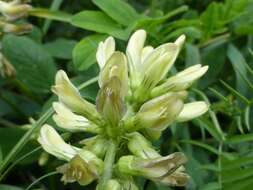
x=240, y=138
x=236, y=175
x=215, y=51
x=50, y=14
x=8, y=139
x=238, y=62
x=211, y=19
x=99, y=22
x=84, y=53
x=118, y=10
x=35, y=67
x=61, y=48
x=9, y=187
x=192, y=55
x=211, y=186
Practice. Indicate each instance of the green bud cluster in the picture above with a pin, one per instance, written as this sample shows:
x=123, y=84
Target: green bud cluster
x=136, y=103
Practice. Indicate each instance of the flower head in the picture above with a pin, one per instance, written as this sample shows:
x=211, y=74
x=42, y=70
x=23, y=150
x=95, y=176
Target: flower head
x=136, y=101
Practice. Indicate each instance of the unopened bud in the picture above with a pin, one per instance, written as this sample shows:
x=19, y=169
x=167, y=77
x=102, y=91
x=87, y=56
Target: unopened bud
x=70, y=97
x=116, y=66
x=113, y=184
x=43, y=158
x=110, y=102
x=14, y=10
x=181, y=80
x=98, y=145
x=144, y=148
x=156, y=66
x=17, y=29
x=6, y=68
x=159, y=112
x=153, y=169
x=134, y=54
x=104, y=51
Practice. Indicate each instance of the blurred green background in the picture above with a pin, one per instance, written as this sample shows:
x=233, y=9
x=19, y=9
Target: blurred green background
x=219, y=34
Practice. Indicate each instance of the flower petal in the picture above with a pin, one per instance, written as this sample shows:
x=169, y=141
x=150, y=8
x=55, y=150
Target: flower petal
x=181, y=80
x=52, y=143
x=192, y=110
x=104, y=51
x=66, y=119
x=70, y=97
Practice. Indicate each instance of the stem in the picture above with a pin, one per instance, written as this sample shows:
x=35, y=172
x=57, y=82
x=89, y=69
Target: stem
x=22, y=142
x=108, y=165
x=49, y=14
x=54, y=6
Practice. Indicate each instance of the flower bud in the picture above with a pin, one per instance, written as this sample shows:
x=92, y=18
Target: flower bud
x=113, y=184
x=13, y=10
x=17, y=29
x=52, y=143
x=110, y=102
x=155, y=68
x=66, y=119
x=129, y=184
x=6, y=68
x=192, y=110
x=78, y=170
x=70, y=97
x=116, y=66
x=153, y=169
x=104, y=51
x=144, y=148
x=98, y=145
x=181, y=80
x=134, y=55
x=43, y=159
x=159, y=112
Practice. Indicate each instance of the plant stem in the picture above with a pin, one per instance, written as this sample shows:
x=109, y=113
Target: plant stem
x=21, y=143
x=54, y=6
x=49, y=14
x=108, y=165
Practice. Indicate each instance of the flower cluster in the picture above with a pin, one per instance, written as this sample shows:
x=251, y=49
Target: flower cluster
x=12, y=12
x=135, y=104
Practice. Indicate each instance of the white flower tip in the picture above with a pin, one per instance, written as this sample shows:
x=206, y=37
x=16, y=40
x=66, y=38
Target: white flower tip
x=137, y=39
x=180, y=40
x=60, y=76
x=139, y=33
x=205, y=68
x=110, y=41
x=105, y=50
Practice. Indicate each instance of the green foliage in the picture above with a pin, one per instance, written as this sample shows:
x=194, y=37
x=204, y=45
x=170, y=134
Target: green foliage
x=219, y=34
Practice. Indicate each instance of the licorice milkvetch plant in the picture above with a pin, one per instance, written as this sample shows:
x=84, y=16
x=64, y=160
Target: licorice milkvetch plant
x=135, y=104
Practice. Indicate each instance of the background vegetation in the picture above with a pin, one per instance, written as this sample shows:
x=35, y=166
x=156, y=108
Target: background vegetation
x=219, y=34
